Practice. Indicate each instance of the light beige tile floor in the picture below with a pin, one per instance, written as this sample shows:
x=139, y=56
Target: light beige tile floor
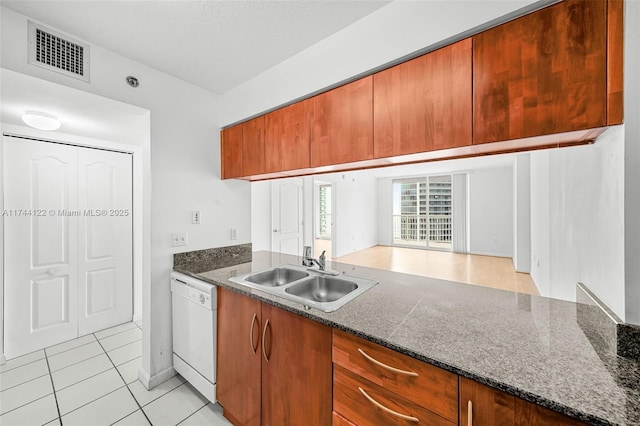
x=93, y=381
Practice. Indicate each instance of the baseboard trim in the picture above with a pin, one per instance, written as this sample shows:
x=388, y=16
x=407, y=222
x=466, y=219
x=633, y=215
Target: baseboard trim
x=481, y=253
x=151, y=382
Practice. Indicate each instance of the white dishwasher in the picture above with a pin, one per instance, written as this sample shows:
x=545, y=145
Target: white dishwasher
x=194, y=332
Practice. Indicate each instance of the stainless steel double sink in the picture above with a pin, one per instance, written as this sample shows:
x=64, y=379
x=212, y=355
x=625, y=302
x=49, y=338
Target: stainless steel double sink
x=311, y=287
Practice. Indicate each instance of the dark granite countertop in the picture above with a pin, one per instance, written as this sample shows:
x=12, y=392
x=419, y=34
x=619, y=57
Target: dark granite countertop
x=528, y=346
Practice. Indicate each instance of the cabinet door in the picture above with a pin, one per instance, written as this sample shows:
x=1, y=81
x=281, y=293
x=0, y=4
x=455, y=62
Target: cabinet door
x=287, y=138
x=529, y=414
x=485, y=405
x=542, y=73
x=231, y=152
x=238, y=384
x=253, y=147
x=342, y=124
x=493, y=408
x=296, y=370
x=424, y=104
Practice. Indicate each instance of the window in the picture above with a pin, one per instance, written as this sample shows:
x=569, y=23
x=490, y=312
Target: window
x=422, y=212
x=324, y=212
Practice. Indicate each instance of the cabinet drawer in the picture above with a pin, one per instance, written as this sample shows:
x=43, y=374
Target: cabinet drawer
x=424, y=384
x=362, y=402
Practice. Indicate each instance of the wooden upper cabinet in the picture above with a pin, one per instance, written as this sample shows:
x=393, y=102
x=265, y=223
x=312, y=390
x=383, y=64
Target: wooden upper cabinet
x=424, y=104
x=286, y=140
x=543, y=73
x=342, y=124
x=615, y=61
x=253, y=159
x=231, y=152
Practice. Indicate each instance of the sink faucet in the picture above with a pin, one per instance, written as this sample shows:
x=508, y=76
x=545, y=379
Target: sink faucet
x=307, y=260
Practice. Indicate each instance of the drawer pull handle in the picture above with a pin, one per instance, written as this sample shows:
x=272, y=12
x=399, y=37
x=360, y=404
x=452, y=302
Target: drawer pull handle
x=470, y=414
x=264, y=333
x=387, y=367
x=388, y=410
x=253, y=323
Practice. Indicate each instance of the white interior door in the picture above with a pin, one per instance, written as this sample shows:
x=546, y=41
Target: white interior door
x=68, y=242
x=41, y=253
x=286, y=216
x=105, y=239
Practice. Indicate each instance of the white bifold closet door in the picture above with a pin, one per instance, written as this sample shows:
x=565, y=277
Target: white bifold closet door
x=67, y=242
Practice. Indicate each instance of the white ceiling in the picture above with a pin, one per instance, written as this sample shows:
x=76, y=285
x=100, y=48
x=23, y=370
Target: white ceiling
x=213, y=44
x=81, y=113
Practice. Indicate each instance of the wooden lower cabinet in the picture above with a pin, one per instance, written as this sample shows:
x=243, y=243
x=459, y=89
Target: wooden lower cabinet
x=296, y=370
x=481, y=405
x=274, y=367
x=239, y=367
x=338, y=420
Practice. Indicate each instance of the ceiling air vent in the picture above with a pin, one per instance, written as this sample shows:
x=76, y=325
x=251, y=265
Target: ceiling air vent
x=54, y=51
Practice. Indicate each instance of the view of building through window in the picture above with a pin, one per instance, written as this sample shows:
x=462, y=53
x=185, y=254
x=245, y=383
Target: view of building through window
x=422, y=209
x=324, y=207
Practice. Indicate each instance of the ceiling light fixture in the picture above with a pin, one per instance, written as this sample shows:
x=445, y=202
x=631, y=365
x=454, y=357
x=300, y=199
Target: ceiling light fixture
x=41, y=120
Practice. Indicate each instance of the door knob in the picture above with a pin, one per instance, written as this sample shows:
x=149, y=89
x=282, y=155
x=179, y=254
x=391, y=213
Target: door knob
x=276, y=230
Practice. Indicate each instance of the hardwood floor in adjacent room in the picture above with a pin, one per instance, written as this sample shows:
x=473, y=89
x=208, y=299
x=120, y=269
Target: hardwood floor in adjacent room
x=486, y=271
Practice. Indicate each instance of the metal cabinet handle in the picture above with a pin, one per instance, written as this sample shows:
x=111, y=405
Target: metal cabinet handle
x=253, y=322
x=387, y=367
x=264, y=333
x=470, y=413
x=388, y=410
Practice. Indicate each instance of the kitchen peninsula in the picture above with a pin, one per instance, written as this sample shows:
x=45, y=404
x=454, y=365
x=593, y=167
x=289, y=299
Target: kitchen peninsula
x=527, y=346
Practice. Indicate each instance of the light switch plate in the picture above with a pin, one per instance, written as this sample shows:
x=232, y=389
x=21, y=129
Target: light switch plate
x=234, y=233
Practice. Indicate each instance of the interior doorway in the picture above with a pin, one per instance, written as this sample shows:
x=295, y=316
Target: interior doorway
x=287, y=216
x=68, y=242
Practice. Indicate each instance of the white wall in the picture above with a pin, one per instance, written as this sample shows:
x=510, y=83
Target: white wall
x=393, y=31
x=581, y=191
x=385, y=211
x=261, y=215
x=491, y=212
x=356, y=212
x=540, y=222
x=185, y=170
x=522, y=213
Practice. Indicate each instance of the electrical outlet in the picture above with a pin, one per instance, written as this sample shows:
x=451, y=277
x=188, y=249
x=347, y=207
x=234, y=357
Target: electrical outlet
x=234, y=233
x=195, y=217
x=179, y=239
